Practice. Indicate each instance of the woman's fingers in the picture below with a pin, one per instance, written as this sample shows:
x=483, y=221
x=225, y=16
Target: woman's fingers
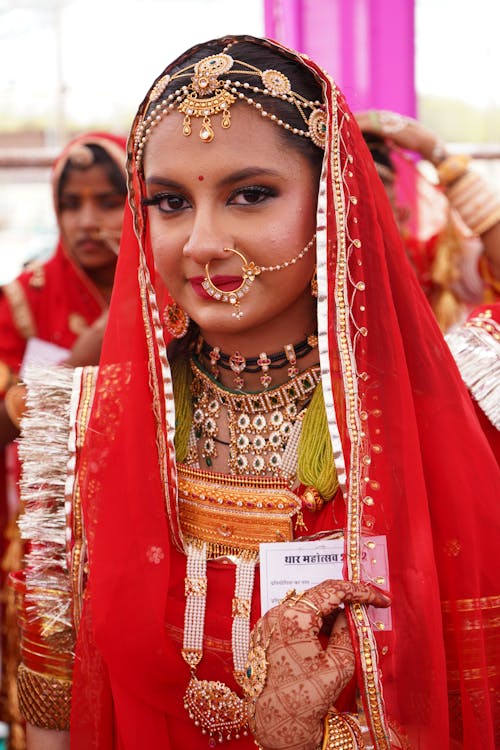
x=329, y=595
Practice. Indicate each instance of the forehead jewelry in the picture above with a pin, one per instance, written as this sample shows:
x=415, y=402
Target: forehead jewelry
x=249, y=272
x=204, y=91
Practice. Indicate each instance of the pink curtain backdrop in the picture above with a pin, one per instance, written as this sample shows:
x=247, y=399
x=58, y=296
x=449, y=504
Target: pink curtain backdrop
x=368, y=46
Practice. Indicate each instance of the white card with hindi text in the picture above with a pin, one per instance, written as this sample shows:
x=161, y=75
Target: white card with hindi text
x=301, y=565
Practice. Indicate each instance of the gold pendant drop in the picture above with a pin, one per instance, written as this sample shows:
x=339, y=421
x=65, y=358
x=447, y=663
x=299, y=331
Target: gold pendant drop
x=207, y=132
x=216, y=709
x=186, y=128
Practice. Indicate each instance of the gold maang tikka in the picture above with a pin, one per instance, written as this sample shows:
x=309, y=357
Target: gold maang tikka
x=208, y=93
x=205, y=82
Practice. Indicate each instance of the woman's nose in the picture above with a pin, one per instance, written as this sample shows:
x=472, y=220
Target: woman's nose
x=88, y=215
x=206, y=242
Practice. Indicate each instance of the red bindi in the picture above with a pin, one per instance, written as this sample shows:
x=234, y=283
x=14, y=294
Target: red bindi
x=201, y=178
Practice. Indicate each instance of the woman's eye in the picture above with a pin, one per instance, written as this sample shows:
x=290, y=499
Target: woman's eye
x=112, y=202
x=69, y=204
x=167, y=202
x=251, y=195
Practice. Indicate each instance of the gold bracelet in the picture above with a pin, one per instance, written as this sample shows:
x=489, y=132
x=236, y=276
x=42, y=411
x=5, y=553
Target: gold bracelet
x=342, y=732
x=44, y=701
x=451, y=168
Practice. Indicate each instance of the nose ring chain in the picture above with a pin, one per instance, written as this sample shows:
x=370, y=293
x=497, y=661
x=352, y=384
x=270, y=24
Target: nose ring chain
x=249, y=272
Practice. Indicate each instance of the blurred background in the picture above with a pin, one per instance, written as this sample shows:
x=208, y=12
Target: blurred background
x=74, y=65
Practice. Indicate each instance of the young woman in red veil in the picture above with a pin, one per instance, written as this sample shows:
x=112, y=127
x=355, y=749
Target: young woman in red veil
x=62, y=302
x=309, y=395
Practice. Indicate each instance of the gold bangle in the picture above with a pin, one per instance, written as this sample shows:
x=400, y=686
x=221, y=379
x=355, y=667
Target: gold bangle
x=451, y=168
x=44, y=701
x=476, y=203
x=342, y=732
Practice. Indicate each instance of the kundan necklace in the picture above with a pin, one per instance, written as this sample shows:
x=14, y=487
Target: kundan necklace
x=264, y=427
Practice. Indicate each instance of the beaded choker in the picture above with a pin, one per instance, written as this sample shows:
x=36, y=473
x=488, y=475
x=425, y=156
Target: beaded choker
x=239, y=364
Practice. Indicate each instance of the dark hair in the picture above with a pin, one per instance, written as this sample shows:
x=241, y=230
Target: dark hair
x=262, y=56
x=379, y=150
x=101, y=158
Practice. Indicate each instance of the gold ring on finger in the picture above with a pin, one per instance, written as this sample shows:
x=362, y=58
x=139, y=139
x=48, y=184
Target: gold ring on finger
x=311, y=605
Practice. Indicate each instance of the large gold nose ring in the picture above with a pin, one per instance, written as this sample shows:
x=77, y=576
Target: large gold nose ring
x=248, y=271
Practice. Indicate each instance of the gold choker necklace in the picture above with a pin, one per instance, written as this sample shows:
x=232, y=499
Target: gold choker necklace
x=264, y=427
x=239, y=364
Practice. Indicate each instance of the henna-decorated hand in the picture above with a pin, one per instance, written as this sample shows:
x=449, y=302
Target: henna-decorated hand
x=303, y=679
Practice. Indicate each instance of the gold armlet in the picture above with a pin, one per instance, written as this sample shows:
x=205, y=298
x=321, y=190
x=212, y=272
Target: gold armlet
x=44, y=701
x=342, y=732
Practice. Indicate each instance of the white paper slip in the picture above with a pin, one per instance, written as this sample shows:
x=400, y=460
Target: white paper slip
x=301, y=565
x=40, y=352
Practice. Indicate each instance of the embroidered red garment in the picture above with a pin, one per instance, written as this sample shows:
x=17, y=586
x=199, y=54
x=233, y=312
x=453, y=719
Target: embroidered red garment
x=415, y=468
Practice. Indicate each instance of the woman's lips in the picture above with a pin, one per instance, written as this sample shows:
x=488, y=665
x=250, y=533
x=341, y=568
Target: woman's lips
x=89, y=245
x=224, y=283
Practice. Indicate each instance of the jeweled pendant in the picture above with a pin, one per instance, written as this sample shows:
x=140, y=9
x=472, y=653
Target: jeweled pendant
x=216, y=709
x=207, y=132
x=186, y=128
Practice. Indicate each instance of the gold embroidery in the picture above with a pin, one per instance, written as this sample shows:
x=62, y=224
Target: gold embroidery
x=453, y=547
x=468, y=605
x=232, y=514
x=20, y=309
x=478, y=620
x=87, y=386
x=367, y=644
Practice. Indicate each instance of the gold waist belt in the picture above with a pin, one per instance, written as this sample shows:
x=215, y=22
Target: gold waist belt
x=232, y=513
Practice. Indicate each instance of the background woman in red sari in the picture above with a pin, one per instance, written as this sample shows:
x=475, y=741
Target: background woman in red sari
x=57, y=310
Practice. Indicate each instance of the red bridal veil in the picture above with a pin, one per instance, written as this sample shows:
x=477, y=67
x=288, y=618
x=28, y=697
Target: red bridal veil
x=412, y=462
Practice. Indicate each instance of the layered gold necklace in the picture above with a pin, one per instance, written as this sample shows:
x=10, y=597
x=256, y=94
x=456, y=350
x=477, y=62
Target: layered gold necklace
x=264, y=427
x=230, y=514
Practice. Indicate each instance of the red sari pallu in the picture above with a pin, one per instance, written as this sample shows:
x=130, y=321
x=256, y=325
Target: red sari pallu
x=412, y=462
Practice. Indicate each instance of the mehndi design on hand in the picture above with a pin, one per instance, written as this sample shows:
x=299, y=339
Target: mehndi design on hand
x=294, y=680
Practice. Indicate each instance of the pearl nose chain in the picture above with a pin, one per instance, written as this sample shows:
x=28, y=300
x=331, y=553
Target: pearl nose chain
x=249, y=272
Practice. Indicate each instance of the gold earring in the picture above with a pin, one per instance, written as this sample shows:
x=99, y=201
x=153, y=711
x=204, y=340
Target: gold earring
x=175, y=320
x=314, y=283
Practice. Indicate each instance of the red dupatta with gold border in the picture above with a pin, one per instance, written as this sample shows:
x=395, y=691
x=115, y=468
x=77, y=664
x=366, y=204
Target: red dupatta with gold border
x=414, y=466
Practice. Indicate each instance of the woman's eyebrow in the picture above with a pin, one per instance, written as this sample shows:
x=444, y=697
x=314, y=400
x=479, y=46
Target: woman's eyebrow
x=237, y=176
x=247, y=172
x=165, y=182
